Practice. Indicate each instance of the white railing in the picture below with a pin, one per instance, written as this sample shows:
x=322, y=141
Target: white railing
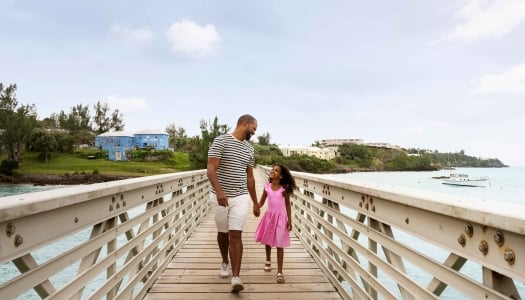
x=56, y=239
x=393, y=243
x=112, y=240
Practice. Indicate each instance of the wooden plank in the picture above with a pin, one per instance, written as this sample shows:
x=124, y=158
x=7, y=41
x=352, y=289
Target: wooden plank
x=244, y=295
x=194, y=271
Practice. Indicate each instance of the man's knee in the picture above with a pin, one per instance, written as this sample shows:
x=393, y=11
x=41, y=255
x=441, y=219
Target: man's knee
x=235, y=234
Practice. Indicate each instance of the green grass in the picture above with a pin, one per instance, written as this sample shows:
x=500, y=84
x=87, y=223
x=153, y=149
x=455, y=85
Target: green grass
x=61, y=164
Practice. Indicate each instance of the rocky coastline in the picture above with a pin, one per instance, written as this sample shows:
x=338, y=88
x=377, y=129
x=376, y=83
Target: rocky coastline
x=50, y=179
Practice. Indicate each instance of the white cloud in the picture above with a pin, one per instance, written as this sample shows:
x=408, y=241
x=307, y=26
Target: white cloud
x=135, y=35
x=487, y=18
x=511, y=81
x=189, y=38
x=127, y=104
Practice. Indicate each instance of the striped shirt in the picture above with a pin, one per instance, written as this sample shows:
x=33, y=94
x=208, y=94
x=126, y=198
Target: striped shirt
x=234, y=158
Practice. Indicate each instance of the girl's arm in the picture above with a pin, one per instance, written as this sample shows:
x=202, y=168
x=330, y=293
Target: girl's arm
x=288, y=210
x=263, y=198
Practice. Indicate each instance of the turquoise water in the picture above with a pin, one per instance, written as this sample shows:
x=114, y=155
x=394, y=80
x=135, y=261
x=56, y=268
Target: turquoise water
x=7, y=189
x=507, y=185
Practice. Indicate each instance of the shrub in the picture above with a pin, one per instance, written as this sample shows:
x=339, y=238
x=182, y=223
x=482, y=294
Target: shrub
x=8, y=167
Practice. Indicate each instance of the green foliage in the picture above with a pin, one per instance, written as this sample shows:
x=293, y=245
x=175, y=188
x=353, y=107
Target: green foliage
x=69, y=163
x=199, y=146
x=8, y=167
x=264, y=139
x=105, y=122
x=87, y=153
x=149, y=155
x=16, y=122
x=177, y=137
x=44, y=142
x=457, y=159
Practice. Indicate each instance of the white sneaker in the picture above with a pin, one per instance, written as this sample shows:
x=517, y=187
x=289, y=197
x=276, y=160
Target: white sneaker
x=225, y=270
x=237, y=285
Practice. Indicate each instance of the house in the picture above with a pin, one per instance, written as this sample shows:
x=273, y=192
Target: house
x=151, y=139
x=321, y=153
x=119, y=143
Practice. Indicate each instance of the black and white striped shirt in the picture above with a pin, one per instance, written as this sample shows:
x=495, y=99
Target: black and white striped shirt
x=234, y=158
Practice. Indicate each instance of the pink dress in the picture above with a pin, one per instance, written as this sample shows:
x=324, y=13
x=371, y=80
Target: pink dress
x=272, y=229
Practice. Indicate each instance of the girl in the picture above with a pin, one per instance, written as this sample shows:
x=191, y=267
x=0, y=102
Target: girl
x=273, y=229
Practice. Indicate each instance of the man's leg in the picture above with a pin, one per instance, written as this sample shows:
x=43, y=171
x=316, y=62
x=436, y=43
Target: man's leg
x=236, y=249
x=223, y=240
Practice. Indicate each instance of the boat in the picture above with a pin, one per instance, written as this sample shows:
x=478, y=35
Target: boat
x=462, y=179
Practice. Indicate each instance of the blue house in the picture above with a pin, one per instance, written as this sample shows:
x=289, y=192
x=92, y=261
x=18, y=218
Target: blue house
x=151, y=139
x=119, y=143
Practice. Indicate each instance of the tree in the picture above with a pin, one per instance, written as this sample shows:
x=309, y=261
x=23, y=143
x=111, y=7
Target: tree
x=199, y=153
x=16, y=122
x=50, y=122
x=78, y=119
x=177, y=136
x=44, y=142
x=104, y=122
x=264, y=140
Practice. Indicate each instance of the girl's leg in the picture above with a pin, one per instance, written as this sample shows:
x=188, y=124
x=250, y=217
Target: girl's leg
x=280, y=255
x=268, y=264
x=268, y=249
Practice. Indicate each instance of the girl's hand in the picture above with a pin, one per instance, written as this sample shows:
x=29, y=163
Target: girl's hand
x=289, y=226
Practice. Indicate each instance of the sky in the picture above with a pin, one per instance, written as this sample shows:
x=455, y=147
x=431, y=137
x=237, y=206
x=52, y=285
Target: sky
x=445, y=75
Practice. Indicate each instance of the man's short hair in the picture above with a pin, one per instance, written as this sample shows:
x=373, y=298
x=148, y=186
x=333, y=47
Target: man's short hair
x=245, y=119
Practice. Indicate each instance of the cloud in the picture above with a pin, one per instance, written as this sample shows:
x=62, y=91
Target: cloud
x=511, y=81
x=134, y=35
x=487, y=18
x=189, y=38
x=127, y=104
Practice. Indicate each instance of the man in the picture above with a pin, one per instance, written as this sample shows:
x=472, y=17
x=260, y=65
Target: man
x=230, y=171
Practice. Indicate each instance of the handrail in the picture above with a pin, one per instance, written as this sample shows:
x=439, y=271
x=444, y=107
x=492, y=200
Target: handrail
x=378, y=242
x=111, y=240
x=139, y=222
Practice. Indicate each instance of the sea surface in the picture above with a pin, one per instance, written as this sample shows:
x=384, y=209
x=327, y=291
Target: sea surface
x=506, y=185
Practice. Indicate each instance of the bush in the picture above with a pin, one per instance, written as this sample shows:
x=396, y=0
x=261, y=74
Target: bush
x=8, y=167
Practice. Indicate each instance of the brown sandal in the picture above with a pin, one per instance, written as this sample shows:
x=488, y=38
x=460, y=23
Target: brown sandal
x=267, y=266
x=280, y=278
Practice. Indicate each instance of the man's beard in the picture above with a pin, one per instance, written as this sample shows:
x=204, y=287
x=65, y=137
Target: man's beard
x=247, y=136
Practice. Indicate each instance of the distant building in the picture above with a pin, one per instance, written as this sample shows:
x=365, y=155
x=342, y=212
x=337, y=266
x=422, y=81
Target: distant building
x=383, y=145
x=321, y=153
x=338, y=142
x=119, y=143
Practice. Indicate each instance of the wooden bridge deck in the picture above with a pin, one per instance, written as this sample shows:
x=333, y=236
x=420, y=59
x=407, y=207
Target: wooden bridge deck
x=194, y=271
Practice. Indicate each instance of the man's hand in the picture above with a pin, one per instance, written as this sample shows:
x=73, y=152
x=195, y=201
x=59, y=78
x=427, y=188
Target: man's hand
x=256, y=210
x=222, y=199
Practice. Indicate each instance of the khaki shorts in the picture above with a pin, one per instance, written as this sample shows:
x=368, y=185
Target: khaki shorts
x=233, y=216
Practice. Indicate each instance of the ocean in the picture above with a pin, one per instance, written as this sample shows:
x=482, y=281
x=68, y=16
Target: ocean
x=506, y=185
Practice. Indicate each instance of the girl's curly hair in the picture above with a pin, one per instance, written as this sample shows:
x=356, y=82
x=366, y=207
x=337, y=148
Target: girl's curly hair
x=287, y=180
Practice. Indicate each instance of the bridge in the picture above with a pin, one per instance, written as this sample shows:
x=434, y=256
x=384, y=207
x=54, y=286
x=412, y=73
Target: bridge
x=154, y=238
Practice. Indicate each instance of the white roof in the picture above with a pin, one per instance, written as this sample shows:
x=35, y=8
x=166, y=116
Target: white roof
x=151, y=131
x=117, y=133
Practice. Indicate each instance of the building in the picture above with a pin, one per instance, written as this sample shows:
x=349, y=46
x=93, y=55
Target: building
x=119, y=143
x=338, y=142
x=321, y=153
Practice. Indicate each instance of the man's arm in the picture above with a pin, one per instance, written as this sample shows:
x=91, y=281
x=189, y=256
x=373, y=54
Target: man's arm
x=213, y=164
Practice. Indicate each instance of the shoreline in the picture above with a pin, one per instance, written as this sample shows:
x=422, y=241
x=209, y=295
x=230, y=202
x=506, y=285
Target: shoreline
x=50, y=179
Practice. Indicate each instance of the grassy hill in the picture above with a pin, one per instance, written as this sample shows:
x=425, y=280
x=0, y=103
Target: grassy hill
x=71, y=164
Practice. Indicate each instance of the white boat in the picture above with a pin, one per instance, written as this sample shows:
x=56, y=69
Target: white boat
x=464, y=180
